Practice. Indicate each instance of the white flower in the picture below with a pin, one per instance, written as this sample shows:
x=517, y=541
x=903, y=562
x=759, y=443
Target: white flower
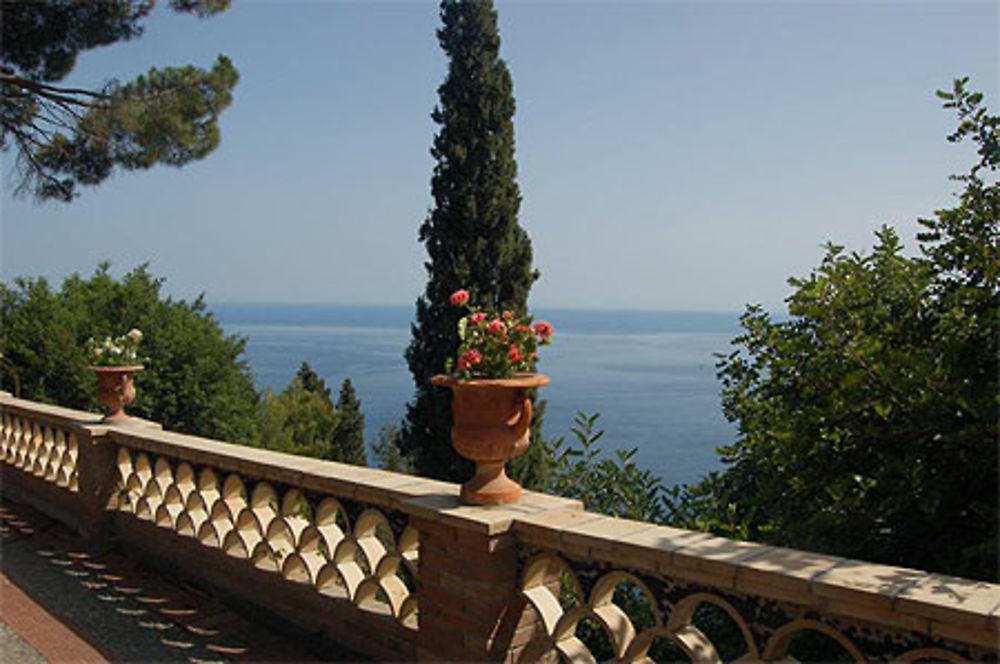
x=98, y=352
x=115, y=350
x=135, y=334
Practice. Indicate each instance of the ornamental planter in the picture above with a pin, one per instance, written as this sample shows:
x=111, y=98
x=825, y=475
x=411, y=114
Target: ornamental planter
x=115, y=390
x=492, y=423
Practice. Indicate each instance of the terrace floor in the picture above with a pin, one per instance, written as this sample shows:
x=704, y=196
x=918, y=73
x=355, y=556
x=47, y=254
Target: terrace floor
x=60, y=601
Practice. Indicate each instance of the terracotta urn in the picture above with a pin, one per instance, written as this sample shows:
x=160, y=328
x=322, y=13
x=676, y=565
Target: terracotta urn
x=492, y=423
x=115, y=389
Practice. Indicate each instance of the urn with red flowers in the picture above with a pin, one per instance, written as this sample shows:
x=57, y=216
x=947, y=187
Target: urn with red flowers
x=491, y=406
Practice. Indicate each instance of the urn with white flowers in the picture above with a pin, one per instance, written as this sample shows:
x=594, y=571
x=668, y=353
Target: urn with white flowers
x=115, y=361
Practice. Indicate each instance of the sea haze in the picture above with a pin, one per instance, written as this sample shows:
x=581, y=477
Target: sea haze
x=651, y=374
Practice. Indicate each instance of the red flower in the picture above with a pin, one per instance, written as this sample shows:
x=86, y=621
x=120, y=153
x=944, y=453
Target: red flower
x=477, y=317
x=521, y=327
x=469, y=358
x=514, y=354
x=544, y=330
x=459, y=298
x=496, y=325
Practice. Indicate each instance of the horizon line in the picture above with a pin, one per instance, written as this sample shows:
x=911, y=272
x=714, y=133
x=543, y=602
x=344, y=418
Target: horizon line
x=563, y=307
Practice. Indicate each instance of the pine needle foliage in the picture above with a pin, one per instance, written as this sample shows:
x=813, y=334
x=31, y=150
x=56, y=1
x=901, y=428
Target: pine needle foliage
x=65, y=137
x=349, y=435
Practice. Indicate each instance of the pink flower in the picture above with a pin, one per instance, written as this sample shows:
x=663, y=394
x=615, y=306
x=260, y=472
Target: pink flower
x=459, y=298
x=507, y=315
x=514, y=354
x=496, y=325
x=521, y=327
x=469, y=358
x=477, y=317
x=544, y=330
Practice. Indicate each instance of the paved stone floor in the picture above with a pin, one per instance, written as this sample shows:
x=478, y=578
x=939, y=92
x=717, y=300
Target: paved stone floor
x=61, y=602
x=15, y=649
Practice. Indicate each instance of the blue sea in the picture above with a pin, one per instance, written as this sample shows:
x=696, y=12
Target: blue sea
x=650, y=374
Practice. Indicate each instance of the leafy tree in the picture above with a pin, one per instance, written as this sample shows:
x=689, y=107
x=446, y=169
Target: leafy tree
x=867, y=420
x=65, y=137
x=299, y=420
x=196, y=380
x=349, y=434
x=472, y=235
x=303, y=420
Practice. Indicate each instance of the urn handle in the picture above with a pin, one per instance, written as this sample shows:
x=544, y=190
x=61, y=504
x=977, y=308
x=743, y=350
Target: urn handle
x=523, y=423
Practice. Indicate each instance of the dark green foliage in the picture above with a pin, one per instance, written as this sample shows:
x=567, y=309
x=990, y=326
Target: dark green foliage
x=300, y=420
x=868, y=419
x=472, y=235
x=349, y=434
x=534, y=468
x=613, y=485
x=66, y=137
x=385, y=451
x=196, y=380
x=311, y=381
x=303, y=420
x=813, y=646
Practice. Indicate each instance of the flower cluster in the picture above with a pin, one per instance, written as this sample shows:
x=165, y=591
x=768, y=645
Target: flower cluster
x=115, y=352
x=495, y=345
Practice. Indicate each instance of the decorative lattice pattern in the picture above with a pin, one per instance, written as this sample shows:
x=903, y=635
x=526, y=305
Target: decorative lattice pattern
x=44, y=450
x=596, y=613
x=358, y=554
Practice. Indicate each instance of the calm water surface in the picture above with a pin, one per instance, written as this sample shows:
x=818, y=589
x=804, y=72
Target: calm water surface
x=651, y=375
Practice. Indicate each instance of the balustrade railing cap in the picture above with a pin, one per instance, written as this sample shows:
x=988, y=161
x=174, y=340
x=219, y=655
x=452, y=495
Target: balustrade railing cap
x=448, y=508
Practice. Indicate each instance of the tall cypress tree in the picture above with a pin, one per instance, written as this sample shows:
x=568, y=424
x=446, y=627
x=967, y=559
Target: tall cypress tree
x=471, y=233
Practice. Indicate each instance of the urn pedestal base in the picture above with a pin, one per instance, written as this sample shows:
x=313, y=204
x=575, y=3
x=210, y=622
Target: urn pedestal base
x=490, y=486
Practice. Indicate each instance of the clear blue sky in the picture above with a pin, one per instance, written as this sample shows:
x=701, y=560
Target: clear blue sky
x=671, y=155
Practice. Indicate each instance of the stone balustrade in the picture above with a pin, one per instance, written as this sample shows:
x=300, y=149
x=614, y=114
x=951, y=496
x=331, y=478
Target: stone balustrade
x=393, y=567
x=52, y=452
x=661, y=592
x=41, y=446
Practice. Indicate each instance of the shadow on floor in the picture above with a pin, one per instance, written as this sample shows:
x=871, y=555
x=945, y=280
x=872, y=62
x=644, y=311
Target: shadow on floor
x=128, y=613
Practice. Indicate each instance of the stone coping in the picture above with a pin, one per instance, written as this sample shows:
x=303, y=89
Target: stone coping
x=65, y=417
x=949, y=607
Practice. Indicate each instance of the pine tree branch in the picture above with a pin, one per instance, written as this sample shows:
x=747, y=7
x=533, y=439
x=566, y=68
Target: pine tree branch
x=25, y=143
x=51, y=91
